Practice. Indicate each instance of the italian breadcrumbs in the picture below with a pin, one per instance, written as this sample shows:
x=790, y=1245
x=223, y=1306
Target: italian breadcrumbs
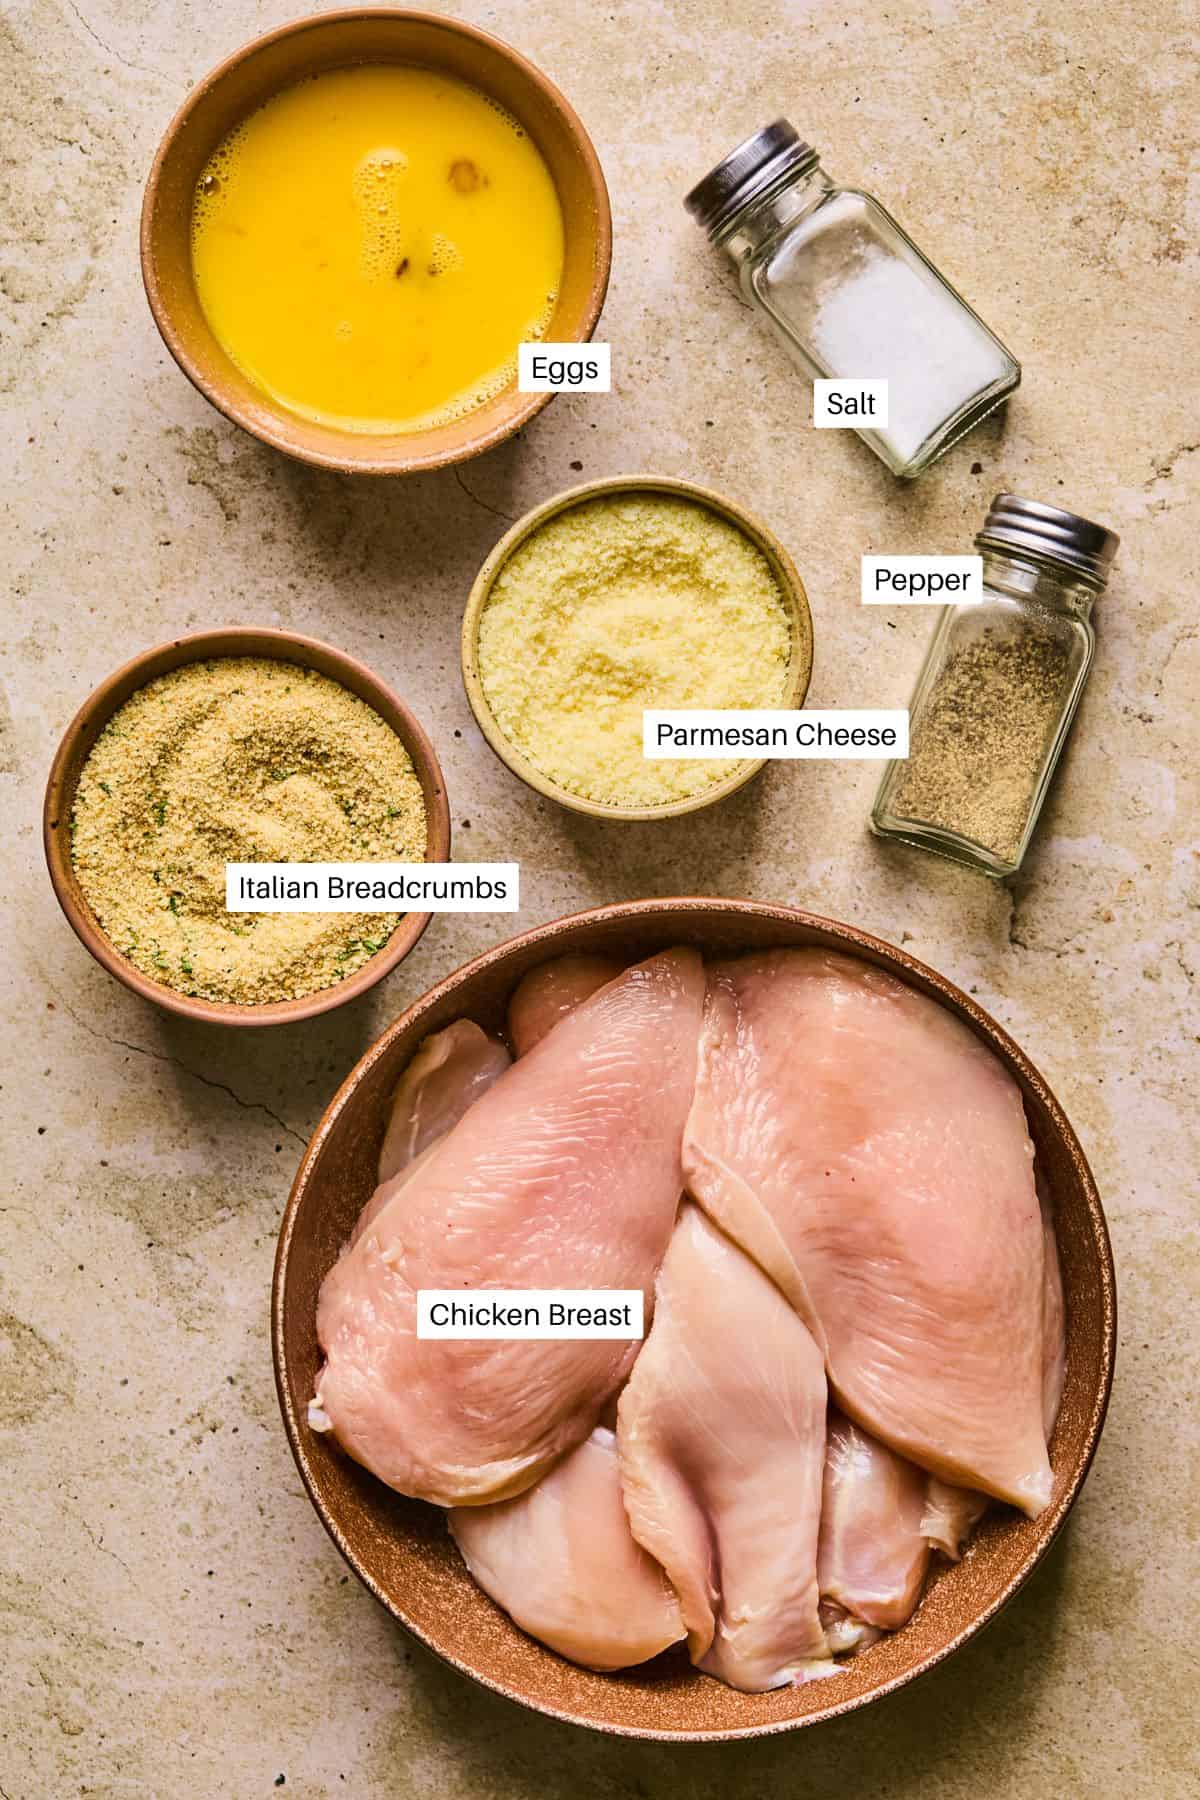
x=240, y=759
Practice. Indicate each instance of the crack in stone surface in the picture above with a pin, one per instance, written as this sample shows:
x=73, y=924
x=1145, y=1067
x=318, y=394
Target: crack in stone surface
x=1020, y=943
x=138, y=68
x=1165, y=469
x=494, y=510
x=100, y=1544
x=1176, y=947
x=209, y=1081
x=1185, y=636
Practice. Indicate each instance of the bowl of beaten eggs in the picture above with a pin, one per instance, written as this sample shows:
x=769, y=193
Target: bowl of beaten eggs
x=352, y=224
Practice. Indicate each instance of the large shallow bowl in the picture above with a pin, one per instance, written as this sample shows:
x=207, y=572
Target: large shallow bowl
x=201, y=646
x=334, y=40
x=787, y=579
x=400, y=1548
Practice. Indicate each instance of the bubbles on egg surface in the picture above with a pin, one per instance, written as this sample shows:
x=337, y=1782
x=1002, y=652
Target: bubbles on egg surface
x=540, y=320
x=445, y=255
x=218, y=179
x=462, y=405
x=377, y=184
x=381, y=164
x=502, y=112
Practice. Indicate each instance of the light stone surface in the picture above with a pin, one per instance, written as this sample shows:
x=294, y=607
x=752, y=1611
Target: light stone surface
x=175, y=1620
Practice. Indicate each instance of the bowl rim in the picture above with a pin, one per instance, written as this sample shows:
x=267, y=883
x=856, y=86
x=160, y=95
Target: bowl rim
x=269, y=643
x=856, y=942
x=787, y=577
x=274, y=426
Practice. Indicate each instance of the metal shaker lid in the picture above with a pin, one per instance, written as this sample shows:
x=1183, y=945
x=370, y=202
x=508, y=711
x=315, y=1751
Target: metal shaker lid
x=1047, y=531
x=745, y=172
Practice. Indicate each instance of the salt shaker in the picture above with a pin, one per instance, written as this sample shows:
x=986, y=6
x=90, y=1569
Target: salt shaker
x=852, y=296
x=998, y=690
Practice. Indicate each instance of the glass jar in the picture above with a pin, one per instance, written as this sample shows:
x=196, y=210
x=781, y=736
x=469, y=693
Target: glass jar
x=852, y=296
x=998, y=690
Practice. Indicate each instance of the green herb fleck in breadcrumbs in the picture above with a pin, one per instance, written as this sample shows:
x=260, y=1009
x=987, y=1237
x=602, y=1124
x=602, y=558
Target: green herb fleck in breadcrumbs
x=240, y=760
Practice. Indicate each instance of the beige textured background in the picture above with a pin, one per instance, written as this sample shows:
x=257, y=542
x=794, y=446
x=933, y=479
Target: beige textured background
x=175, y=1620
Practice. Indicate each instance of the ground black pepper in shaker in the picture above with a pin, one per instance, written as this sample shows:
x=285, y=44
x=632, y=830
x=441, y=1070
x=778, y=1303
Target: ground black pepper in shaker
x=998, y=690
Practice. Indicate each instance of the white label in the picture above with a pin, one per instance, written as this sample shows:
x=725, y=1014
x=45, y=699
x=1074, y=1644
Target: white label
x=921, y=580
x=796, y=736
x=853, y=405
x=530, y=1313
x=564, y=369
x=371, y=887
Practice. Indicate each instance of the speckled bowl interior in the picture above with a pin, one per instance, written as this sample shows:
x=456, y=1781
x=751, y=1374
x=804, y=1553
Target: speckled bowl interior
x=400, y=1548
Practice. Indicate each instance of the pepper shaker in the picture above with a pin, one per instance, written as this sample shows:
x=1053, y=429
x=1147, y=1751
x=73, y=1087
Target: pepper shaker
x=998, y=690
x=852, y=296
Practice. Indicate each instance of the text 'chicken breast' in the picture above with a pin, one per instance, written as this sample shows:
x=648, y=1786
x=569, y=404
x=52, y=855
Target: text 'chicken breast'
x=564, y=1173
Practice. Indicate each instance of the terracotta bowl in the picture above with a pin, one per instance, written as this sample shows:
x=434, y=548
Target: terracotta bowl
x=400, y=1548
x=287, y=55
x=89, y=722
x=782, y=567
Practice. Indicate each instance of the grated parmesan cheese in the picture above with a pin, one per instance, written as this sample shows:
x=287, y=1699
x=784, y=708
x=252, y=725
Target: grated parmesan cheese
x=618, y=604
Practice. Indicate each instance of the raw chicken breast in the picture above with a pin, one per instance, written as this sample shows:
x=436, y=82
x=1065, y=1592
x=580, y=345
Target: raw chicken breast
x=561, y=1560
x=564, y=1174
x=551, y=991
x=1054, y=1326
x=846, y=1634
x=871, y=1154
x=447, y=1073
x=952, y=1513
x=721, y=1433
x=872, y=1555
x=450, y=1070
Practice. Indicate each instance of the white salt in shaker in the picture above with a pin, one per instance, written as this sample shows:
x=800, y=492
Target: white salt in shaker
x=853, y=298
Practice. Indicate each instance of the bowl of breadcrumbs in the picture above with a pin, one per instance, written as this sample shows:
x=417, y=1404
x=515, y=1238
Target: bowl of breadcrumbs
x=242, y=745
